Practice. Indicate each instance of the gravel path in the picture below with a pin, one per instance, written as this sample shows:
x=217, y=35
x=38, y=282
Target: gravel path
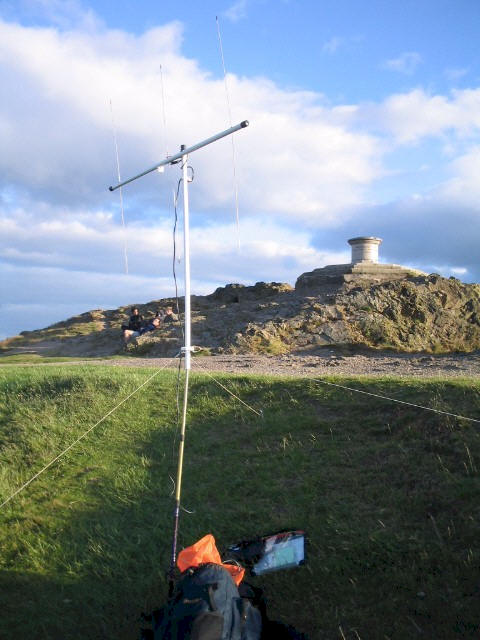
x=331, y=363
x=328, y=363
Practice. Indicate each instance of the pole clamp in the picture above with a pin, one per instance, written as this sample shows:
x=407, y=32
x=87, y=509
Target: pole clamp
x=185, y=349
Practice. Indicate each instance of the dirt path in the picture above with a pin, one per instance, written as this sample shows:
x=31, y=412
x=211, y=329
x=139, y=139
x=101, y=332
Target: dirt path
x=328, y=363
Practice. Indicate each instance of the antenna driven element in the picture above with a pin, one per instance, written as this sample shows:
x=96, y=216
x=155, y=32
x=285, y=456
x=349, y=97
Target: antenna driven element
x=177, y=156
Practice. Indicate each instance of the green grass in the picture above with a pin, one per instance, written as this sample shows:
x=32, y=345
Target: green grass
x=389, y=496
x=37, y=358
x=30, y=358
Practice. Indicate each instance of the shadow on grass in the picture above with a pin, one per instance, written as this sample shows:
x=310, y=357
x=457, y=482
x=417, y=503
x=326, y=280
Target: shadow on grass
x=392, y=532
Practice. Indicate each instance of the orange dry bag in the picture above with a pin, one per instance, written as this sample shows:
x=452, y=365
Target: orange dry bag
x=204, y=551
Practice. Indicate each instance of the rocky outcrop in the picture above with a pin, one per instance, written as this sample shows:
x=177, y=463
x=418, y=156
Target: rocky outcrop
x=423, y=313
x=392, y=308
x=241, y=293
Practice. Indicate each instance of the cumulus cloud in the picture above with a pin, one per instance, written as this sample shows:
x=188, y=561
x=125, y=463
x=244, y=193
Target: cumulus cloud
x=57, y=132
x=433, y=232
x=406, y=63
x=266, y=248
x=77, y=266
x=337, y=43
x=463, y=189
x=65, y=14
x=236, y=11
x=454, y=74
x=412, y=116
x=437, y=231
x=44, y=295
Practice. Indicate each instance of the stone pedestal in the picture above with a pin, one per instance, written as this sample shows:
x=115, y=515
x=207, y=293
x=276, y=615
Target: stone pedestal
x=365, y=249
x=364, y=270
x=328, y=280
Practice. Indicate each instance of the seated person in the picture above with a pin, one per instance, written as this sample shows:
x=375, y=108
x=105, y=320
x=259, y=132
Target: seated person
x=130, y=334
x=136, y=321
x=169, y=315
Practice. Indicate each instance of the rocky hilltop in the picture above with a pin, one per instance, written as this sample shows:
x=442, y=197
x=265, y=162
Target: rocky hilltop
x=355, y=306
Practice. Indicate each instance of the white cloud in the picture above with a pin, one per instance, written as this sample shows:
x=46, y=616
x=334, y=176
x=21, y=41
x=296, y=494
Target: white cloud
x=409, y=117
x=66, y=14
x=406, y=63
x=44, y=295
x=236, y=11
x=455, y=74
x=75, y=266
x=464, y=187
x=71, y=242
x=434, y=232
x=57, y=132
x=338, y=43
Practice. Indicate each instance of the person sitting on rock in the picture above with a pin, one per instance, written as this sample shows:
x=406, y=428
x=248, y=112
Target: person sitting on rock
x=135, y=322
x=129, y=334
x=169, y=315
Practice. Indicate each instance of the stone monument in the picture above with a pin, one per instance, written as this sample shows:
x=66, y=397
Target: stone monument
x=364, y=269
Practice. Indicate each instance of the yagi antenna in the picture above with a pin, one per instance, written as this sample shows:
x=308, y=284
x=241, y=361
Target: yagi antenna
x=187, y=348
x=183, y=153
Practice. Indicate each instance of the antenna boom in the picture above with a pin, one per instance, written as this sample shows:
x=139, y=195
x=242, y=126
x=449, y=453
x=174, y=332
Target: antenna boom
x=179, y=155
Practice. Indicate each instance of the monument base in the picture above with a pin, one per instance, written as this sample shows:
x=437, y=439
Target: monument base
x=329, y=279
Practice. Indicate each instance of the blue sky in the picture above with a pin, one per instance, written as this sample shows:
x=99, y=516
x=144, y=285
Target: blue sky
x=365, y=120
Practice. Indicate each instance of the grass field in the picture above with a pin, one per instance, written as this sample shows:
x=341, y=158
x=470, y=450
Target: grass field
x=388, y=494
x=36, y=358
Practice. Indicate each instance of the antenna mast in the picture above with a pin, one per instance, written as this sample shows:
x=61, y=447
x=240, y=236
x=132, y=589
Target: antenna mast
x=187, y=348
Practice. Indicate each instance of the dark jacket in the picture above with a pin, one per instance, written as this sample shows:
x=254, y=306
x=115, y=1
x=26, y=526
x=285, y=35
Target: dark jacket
x=135, y=323
x=148, y=327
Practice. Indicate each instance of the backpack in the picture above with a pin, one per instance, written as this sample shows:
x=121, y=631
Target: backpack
x=207, y=605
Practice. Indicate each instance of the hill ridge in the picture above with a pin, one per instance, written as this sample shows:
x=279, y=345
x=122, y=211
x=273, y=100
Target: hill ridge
x=412, y=313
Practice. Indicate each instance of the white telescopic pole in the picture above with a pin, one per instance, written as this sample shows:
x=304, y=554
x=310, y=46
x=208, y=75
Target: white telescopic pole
x=186, y=253
x=187, y=315
x=186, y=351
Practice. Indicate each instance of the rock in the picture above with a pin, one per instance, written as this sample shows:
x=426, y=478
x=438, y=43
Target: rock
x=238, y=292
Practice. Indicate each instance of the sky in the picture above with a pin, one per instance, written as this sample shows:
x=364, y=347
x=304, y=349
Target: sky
x=364, y=120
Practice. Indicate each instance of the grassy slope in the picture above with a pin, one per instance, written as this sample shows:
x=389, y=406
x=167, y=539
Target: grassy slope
x=389, y=496
x=37, y=358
